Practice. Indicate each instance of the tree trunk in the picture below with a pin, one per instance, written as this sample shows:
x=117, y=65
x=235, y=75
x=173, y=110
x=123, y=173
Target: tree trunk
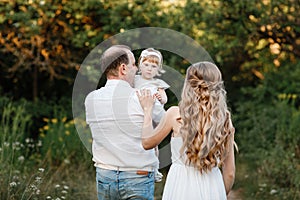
x=35, y=84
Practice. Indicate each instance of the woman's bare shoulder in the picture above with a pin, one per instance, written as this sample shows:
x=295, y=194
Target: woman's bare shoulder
x=174, y=117
x=173, y=112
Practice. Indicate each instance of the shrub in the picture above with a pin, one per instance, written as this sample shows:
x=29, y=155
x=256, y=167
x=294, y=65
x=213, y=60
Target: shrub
x=27, y=173
x=267, y=132
x=15, y=150
x=61, y=142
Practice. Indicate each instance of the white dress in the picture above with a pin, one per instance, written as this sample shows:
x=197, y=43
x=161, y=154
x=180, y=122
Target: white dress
x=187, y=183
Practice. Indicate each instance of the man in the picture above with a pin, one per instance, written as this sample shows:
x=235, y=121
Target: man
x=124, y=169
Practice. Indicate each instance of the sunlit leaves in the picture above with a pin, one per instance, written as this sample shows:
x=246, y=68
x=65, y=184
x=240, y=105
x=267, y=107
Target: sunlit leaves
x=54, y=36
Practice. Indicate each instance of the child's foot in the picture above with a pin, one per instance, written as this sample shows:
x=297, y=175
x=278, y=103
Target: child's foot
x=158, y=176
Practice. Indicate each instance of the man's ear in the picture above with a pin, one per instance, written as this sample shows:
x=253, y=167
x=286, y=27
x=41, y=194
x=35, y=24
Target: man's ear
x=122, y=69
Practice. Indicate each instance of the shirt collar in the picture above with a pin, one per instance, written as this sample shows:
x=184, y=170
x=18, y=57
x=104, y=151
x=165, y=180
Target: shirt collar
x=114, y=82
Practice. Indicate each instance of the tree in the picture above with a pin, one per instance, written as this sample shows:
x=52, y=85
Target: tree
x=246, y=38
x=36, y=39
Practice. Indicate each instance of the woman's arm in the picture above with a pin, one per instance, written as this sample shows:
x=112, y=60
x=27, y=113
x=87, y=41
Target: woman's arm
x=151, y=138
x=228, y=168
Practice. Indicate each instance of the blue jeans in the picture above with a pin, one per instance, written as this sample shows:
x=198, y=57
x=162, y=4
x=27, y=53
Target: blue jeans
x=117, y=185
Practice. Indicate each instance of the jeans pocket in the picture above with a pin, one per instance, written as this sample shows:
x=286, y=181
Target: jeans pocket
x=140, y=188
x=103, y=190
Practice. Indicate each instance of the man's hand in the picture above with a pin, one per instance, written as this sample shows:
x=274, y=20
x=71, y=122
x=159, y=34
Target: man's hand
x=146, y=99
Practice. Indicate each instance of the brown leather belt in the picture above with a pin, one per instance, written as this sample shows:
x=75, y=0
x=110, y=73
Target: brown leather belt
x=141, y=172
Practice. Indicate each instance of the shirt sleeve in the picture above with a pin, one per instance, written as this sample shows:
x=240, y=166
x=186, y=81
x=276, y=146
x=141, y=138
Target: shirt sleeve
x=162, y=84
x=89, y=101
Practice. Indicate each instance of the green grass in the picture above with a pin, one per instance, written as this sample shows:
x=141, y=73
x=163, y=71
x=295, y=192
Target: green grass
x=57, y=165
x=252, y=184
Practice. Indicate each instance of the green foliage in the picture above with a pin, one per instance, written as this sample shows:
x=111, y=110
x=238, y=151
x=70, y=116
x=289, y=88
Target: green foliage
x=61, y=142
x=283, y=158
x=246, y=38
x=47, y=40
x=14, y=179
x=27, y=173
x=35, y=37
x=255, y=43
x=268, y=136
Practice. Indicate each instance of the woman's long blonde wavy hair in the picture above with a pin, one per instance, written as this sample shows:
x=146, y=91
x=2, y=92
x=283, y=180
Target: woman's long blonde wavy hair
x=206, y=120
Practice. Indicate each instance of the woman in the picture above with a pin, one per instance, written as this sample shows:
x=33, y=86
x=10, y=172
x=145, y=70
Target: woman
x=202, y=142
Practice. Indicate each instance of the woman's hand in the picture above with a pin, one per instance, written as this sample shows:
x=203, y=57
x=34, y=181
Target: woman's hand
x=146, y=99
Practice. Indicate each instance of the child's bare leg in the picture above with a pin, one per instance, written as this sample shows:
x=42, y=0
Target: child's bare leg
x=158, y=176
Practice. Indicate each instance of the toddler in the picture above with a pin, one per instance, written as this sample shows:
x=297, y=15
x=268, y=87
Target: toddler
x=150, y=65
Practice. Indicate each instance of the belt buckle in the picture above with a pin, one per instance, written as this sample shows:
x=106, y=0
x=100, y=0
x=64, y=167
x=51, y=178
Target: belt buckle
x=141, y=172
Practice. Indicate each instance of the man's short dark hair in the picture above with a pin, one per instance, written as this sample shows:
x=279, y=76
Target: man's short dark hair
x=112, y=58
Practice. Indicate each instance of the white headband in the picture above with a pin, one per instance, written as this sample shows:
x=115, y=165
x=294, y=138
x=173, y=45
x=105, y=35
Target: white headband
x=146, y=53
x=150, y=53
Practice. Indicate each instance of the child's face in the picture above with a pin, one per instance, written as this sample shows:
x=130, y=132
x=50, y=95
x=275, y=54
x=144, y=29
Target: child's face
x=149, y=69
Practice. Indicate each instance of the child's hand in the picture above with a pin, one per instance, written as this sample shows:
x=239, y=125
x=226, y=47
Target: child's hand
x=158, y=97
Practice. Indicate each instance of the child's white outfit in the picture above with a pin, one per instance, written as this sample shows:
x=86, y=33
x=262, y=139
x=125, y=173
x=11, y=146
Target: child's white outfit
x=152, y=85
x=158, y=108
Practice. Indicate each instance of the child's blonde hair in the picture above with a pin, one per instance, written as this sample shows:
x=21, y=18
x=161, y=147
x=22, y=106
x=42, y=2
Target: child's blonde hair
x=153, y=56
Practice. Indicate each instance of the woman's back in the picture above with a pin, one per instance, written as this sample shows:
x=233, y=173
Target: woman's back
x=186, y=182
